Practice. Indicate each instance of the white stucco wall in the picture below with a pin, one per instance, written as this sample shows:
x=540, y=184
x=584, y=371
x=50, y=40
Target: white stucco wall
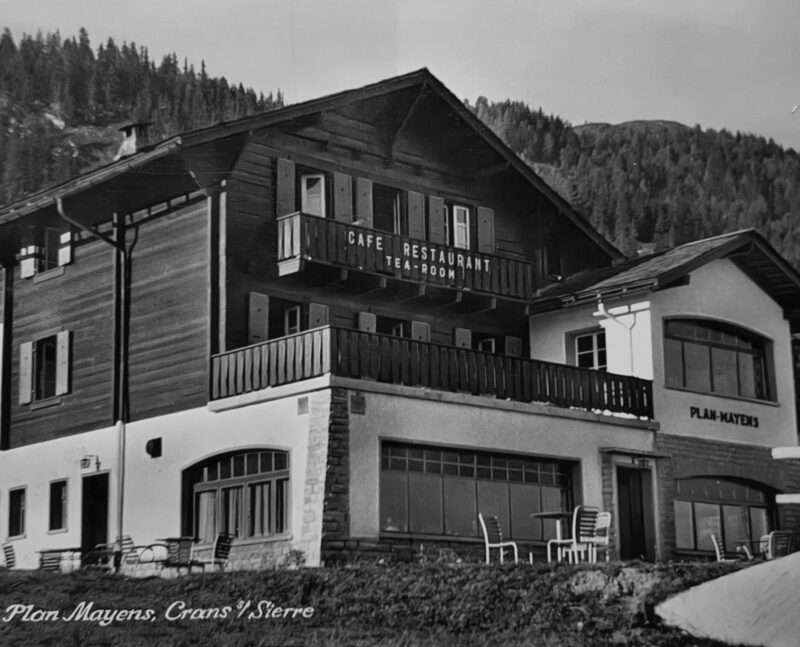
x=152, y=496
x=718, y=291
x=465, y=422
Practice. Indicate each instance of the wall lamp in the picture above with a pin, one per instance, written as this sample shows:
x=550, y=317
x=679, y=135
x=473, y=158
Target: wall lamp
x=86, y=462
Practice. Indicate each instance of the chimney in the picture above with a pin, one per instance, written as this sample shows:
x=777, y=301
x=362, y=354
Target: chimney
x=137, y=136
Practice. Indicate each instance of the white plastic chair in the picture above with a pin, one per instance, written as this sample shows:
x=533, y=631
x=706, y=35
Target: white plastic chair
x=493, y=537
x=602, y=532
x=584, y=521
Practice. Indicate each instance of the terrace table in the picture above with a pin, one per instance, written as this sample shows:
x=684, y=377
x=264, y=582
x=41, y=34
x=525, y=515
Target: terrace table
x=558, y=516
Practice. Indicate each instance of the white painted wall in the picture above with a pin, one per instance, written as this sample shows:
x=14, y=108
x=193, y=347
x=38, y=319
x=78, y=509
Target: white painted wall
x=457, y=422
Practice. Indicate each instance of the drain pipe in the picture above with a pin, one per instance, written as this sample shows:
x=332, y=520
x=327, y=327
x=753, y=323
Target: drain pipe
x=602, y=312
x=121, y=314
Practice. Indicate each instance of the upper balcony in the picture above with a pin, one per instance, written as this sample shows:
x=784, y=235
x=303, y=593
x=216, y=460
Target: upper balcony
x=393, y=360
x=304, y=238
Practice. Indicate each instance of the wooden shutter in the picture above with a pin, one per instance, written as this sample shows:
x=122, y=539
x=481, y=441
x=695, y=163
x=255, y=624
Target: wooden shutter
x=25, y=372
x=416, y=215
x=420, y=331
x=485, y=230
x=318, y=315
x=513, y=346
x=62, y=362
x=367, y=322
x=258, y=318
x=342, y=197
x=364, y=202
x=65, y=249
x=436, y=215
x=286, y=202
x=462, y=337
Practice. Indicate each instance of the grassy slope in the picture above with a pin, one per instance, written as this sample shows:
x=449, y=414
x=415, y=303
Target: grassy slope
x=434, y=604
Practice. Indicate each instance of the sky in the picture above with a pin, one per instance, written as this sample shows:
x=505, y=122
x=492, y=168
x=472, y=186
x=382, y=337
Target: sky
x=730, y=64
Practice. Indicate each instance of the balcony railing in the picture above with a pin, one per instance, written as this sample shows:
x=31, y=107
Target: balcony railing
x=393, y=360
x=309, y=238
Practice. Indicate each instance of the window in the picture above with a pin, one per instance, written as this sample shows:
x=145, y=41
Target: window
x=58, y=505
x=713, y=357
x=487, y=344
x=731, y=510
x=312, y=194
x=52, y=248
x=285, y=318
x=389, y=210
x=292, y=320
x=245, y=494
x=44, y=368
x=458, y=225
x=439, y=491
x=392, y=326
x=16, y=512
x=590, y=350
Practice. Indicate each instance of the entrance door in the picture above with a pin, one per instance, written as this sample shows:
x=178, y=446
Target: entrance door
x=634, y=492
x=94, y=511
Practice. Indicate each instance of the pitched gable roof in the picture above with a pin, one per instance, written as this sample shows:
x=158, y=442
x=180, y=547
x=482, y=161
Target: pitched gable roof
x=747, y=249
x=392, y=101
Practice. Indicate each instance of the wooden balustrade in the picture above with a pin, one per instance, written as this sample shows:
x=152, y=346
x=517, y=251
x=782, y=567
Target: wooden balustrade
x=331, y=242
x=394, y=360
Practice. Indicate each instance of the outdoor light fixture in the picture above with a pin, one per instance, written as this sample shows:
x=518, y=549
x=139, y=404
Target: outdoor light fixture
x=86, y=462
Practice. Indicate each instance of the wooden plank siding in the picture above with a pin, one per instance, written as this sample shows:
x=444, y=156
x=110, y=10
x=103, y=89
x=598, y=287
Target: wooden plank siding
x=80, y=301
x=169, y=325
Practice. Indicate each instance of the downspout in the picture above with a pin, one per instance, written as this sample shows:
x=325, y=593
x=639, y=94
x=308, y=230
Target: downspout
x=121, y=330
x=602, y=312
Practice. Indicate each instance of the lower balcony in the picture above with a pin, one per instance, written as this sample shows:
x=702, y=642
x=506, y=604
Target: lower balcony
x=393, y=360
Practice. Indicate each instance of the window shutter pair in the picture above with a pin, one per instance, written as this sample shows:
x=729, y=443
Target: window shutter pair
x=258, y=317
x=26, y=367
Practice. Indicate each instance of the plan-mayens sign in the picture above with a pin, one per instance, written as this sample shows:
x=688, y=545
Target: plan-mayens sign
x=419, y=258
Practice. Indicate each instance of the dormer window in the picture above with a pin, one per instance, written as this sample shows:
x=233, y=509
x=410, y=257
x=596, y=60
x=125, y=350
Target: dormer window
x=312, y=194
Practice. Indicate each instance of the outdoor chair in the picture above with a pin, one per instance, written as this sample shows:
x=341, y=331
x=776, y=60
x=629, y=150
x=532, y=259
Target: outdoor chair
x=179, y=555
x=602, y=533
x=220, y=552
x=723, y=555
x=50, y=560
x=9, y=556
x=779, y=543
x=584, y=521
x=493, y=538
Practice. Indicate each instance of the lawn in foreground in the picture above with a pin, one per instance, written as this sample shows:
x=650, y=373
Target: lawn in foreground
x=397, y=604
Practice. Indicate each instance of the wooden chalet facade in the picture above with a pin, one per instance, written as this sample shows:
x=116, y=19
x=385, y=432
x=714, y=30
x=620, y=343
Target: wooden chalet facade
x=310, y=328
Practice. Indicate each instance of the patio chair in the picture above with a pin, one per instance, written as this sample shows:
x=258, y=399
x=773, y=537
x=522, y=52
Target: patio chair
x=723, y=555
x=602, y=533
x=220, y=552
x=493, y=538
x=50, y=560
x=9, y=556
x=179, y=555
x=778, y=544
x=584, y=521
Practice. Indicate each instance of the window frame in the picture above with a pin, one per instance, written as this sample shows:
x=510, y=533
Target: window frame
x=399, y=209
x=761, y=348
x=459, y=234
x=17, y=498
x=63, y=505
x=224, y=488
x=595, y=336
x=33, y=375
x=304, y=177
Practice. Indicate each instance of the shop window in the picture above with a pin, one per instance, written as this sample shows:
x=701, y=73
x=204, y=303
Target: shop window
x=731, y=510
x=16, y=512
x=590, y=350
x=312, y=194
x=389, y=211
x=713, y=357
x=439, y=491
x=44, y=368
x=58, y=505
x=245, y=494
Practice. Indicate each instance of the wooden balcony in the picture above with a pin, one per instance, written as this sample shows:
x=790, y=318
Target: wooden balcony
x=392, y=360
x=304, y=238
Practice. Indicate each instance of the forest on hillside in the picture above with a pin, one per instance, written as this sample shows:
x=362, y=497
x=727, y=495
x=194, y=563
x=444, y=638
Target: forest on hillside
x=655, y=184
x=644, y=184
x=62, y=102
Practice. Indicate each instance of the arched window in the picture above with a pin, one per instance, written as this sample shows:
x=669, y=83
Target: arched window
x=732, y=510
x=715, y=357
x=243, y=493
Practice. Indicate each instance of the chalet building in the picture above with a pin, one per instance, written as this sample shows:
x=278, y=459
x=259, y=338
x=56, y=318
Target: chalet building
x=347, y=326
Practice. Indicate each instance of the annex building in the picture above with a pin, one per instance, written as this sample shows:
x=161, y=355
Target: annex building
x=348, y=326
